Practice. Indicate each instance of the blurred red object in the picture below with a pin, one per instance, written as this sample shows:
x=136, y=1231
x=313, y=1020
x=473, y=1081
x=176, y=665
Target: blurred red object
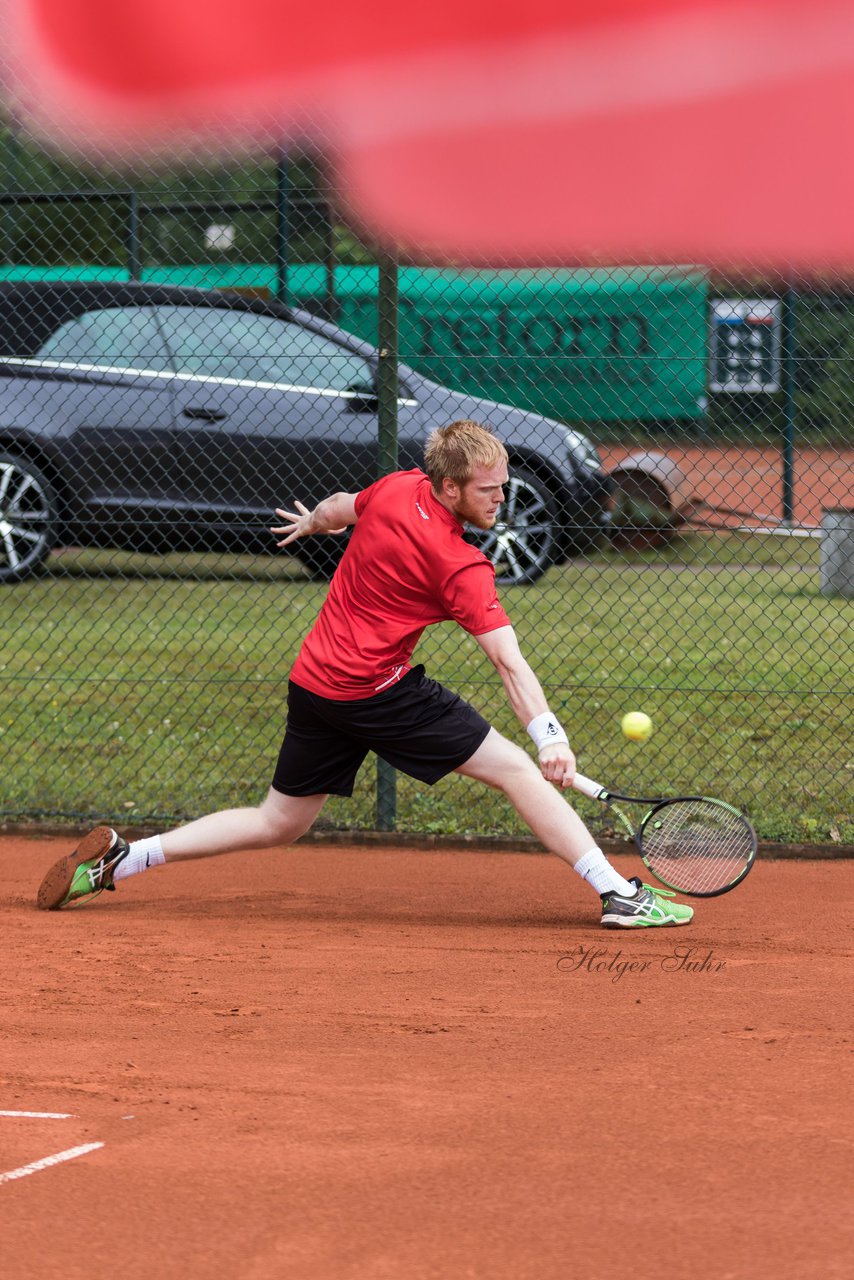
x=563, y=131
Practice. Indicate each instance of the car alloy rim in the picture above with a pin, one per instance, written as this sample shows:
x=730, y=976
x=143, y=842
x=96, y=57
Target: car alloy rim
x=520, y=543
x=24, y=517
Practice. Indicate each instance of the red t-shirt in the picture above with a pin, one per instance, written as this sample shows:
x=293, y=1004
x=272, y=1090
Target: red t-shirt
x=407, y=565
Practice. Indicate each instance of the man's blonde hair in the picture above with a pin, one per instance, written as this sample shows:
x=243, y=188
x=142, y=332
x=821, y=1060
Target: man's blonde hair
x=454, y=451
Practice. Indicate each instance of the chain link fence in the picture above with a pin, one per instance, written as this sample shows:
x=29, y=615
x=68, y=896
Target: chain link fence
x=184, y=349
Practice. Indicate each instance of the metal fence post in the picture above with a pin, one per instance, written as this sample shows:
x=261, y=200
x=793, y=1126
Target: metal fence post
x=789, y=407
x=12, y=184
x=133, y=239
x=283, y=202
x=387, y=454
x=330, y=297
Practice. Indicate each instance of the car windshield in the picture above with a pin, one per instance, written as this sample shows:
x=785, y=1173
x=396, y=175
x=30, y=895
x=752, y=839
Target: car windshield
x=237, y=344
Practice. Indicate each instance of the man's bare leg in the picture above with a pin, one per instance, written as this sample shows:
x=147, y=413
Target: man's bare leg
x=102, y=857
x=625, y=904
x=279, y=820
x=506, y=767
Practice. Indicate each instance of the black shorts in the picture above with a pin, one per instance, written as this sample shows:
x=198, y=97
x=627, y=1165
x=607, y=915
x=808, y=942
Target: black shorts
x=417, y=725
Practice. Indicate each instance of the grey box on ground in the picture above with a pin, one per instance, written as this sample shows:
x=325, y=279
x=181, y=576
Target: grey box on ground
x=837, y=552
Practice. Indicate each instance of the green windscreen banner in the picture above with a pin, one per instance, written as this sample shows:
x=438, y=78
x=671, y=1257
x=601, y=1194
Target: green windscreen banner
x=595, y=345
x=586, y=346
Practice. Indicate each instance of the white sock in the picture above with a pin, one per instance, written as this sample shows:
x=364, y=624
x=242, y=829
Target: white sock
x=143, y=854
x=595, y=868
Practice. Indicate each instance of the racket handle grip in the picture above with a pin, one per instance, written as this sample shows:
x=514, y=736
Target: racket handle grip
x=589, y=788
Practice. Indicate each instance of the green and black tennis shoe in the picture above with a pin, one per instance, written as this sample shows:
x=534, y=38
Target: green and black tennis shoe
x=85, y=873
x=648, y=909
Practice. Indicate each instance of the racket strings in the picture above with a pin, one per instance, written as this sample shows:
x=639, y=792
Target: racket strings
x=698, y=846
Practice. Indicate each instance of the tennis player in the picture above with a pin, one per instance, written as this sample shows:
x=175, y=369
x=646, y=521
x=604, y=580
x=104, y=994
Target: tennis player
x=353, y=689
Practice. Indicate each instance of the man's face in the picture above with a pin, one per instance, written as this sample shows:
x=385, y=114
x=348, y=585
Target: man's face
x=477, y=501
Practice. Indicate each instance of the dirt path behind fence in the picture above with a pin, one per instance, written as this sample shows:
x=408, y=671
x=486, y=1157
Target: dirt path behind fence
x=751, y=478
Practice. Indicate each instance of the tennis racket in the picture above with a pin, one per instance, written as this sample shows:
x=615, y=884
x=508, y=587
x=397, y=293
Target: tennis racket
x=693, y=844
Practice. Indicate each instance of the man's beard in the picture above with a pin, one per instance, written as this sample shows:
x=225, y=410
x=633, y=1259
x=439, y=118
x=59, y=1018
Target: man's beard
x=463, y=512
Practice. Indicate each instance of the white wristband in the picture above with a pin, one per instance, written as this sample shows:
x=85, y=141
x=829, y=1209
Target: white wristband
x=545, y=731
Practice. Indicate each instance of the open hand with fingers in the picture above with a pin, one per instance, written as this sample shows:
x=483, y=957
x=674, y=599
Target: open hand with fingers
x=300, y=524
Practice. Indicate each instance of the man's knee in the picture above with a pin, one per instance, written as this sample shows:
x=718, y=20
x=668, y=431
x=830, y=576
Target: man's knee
x=518, y=767
x=289, y=817
x=285, y=829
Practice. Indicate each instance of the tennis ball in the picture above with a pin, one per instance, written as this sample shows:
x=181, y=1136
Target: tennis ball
x=636, y=725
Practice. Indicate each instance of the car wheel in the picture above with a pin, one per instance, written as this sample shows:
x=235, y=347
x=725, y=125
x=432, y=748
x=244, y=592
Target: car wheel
x=28, y=518
x=524, y=540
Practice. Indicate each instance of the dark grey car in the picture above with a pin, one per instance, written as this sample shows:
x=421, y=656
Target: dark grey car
x=153, y=418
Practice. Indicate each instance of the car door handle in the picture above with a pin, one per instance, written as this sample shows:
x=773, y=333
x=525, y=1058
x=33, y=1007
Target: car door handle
x=205, y=415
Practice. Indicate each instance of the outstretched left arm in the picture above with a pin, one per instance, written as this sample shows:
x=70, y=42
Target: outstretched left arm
x=333, y=515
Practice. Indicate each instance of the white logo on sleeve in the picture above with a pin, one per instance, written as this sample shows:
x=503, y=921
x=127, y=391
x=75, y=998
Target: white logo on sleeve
x=423, y=514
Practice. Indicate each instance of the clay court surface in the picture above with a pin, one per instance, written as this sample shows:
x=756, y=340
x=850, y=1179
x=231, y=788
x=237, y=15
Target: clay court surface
x=366, y=1063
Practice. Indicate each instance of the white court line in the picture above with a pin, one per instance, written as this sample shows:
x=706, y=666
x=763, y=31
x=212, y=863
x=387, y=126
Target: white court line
x=38, y=1115
x=71, y=1154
